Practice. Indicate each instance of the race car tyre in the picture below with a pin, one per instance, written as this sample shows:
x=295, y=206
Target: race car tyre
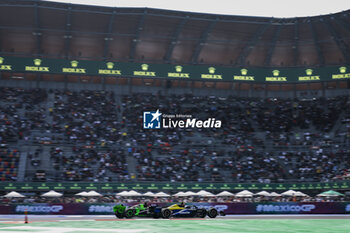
x=201, y=213
x=166, y=213
x=119, y=215
x=129, y=213
x=212, y=213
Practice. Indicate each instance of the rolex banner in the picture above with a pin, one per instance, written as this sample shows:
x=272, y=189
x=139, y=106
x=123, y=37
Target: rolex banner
x=167, y=71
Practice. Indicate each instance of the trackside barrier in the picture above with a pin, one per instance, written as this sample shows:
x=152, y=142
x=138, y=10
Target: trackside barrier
x=227, y=208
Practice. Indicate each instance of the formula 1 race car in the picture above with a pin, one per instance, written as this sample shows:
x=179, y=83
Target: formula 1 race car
x=153, y=211
x=140, y=210
x=187, y=211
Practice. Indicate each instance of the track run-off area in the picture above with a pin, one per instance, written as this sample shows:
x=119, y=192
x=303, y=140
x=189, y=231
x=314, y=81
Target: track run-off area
x=233, y=223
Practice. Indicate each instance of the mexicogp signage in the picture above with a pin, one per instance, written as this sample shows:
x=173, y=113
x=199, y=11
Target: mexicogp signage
x=170, y=71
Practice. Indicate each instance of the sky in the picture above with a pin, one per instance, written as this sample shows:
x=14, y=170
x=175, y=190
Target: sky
x=266, y=8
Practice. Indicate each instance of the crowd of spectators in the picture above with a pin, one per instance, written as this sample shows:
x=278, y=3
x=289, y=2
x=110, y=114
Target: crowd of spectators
x=89, y=135
x=14, y=125
x=260, y=140
x=185, y=166
x=88, y=164
x=86, y=117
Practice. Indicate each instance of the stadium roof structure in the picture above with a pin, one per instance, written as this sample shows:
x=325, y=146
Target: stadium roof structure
x=61, y=30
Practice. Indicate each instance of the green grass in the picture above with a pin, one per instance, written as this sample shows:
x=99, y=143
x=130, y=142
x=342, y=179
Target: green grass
x=169, y=226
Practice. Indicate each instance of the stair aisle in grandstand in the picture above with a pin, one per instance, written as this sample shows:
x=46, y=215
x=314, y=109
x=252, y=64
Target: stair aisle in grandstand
x=29, y=168
x=22, y=166
x=43, y=164
x=132, y=163
x=339, y=126
x=118, y=102
x=45, y=160
x=285, y=167
x=49, y=107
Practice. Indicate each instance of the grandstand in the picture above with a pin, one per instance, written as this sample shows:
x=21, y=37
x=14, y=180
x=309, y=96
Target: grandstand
x=76, y=79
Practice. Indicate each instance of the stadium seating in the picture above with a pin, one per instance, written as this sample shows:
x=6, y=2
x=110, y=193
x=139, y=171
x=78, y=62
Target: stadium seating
x=98, y=136
x=9, y=160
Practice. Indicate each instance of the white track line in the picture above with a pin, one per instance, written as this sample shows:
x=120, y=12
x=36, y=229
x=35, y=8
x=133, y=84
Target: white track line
x=66, y=229
x=77, y=220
